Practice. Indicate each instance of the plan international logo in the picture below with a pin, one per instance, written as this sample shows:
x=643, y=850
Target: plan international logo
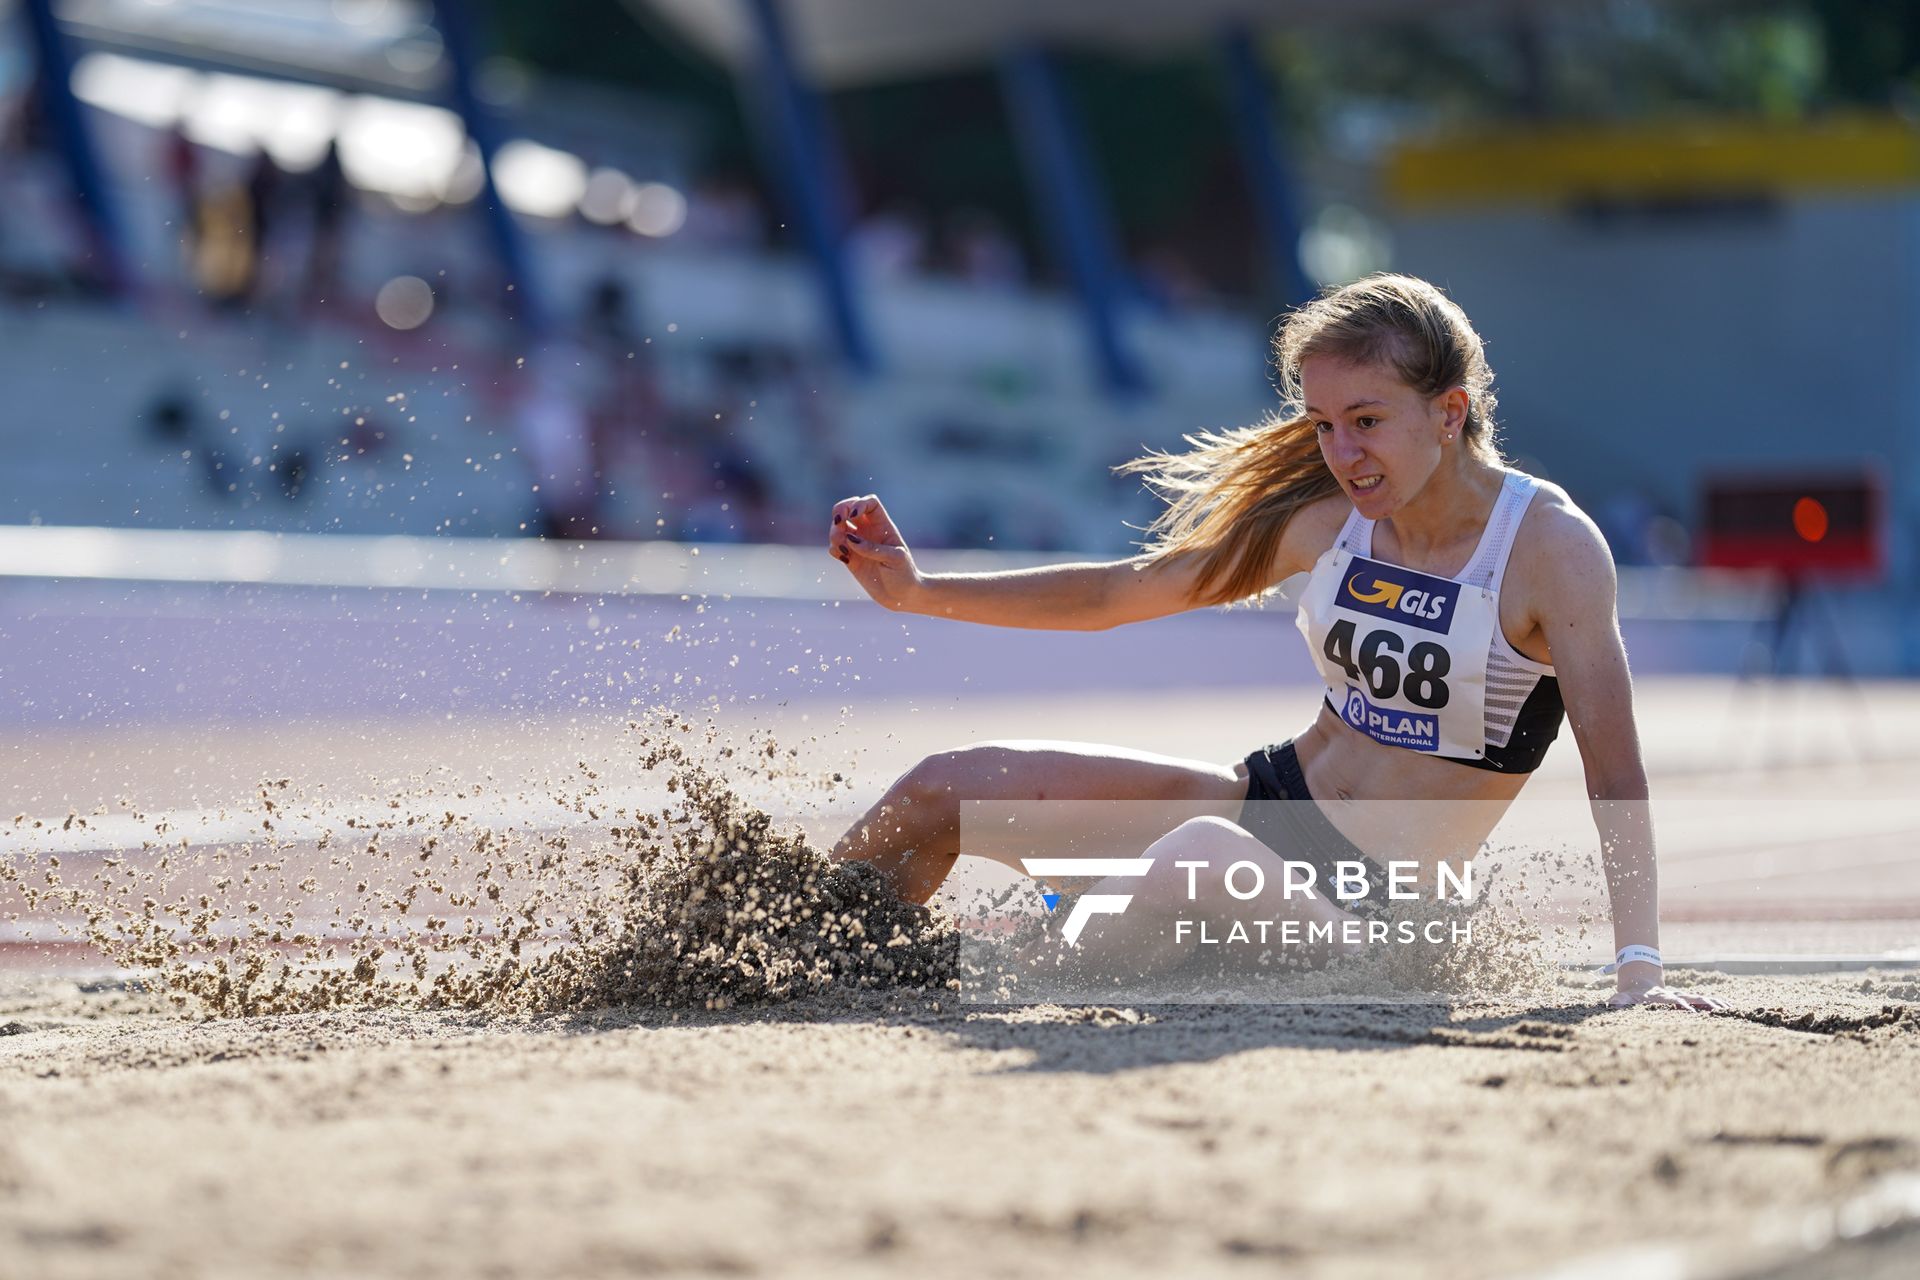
x=1407, y=729
x=1399, y=595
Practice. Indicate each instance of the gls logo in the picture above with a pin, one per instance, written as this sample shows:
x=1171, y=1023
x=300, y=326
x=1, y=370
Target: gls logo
x=1395, y=596
x=1088, y=904
x=1402, y=595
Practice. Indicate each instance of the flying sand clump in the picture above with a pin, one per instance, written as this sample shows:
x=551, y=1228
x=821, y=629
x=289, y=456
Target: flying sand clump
x=698, y=902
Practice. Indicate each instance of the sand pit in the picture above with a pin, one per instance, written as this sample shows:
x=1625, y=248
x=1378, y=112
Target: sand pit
x=766, y=1108
x=886, y=1133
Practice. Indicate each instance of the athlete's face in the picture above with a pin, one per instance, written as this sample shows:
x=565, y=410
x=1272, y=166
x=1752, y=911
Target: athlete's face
x=1382, y=439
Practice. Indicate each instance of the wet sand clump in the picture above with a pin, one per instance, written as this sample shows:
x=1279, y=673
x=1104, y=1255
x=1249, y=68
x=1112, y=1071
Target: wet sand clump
x=728, y=911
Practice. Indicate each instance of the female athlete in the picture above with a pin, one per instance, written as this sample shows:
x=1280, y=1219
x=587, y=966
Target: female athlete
x=1456, y=608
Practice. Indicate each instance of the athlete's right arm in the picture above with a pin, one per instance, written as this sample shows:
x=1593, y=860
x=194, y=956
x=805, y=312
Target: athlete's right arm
x=1091, y=596
x=1066, y=597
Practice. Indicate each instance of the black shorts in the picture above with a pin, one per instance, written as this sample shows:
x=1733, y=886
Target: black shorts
x=1299, y=832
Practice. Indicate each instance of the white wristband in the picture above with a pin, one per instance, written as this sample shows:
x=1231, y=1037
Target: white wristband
x=1628, y=955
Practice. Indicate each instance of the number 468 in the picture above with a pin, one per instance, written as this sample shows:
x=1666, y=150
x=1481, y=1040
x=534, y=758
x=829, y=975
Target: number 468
x=1378, y=664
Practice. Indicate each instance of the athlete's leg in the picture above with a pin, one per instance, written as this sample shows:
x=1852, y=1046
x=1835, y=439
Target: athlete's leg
x=912, y=834
x=1146, y=937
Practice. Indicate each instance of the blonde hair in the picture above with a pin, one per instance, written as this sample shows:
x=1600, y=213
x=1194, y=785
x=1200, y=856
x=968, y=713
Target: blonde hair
x=1229, y=497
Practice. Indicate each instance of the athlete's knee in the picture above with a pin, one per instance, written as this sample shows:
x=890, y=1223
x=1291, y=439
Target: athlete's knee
x=945, y=775
x=933, y=786
x=1205, y=836
x=927, y=779
x=1206, y=829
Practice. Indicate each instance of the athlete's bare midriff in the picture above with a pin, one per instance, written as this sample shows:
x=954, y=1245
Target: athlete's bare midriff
x=1343, y=765
x=1397, y=804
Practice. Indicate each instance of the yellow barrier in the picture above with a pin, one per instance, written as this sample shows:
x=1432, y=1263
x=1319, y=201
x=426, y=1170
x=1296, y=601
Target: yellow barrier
x=1669, y=159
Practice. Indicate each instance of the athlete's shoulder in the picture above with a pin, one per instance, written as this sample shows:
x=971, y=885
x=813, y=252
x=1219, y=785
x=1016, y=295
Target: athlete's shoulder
x=1313, y=528
x=1559, y=549
x=1555, y=526
x=1325, y=515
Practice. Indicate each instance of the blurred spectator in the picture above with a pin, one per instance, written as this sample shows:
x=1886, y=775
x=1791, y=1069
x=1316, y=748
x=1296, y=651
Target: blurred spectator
x=607, y=322
x=328, y=193
x=180, y=159
x=555, y=439
x=264, y=185
x=293, y=467
x=13, y=148
x=622, y=394
x=26, y=123
x=170, y=418
x=732, y=504
x=1168, y=281
x=890, y=243
x=982, y=253
x=223, y=259
x=723, y=213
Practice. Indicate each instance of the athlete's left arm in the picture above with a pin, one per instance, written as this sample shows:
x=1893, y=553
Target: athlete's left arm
x=1573, y=587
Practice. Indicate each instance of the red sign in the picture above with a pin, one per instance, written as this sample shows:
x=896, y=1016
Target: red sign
x=1826, y=524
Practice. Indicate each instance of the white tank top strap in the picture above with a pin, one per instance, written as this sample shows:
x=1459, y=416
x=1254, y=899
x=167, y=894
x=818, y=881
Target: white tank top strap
x=1356, y=535
x=1489, y=565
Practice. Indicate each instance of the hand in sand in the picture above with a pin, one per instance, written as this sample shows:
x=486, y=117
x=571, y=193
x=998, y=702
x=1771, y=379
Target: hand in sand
x=1667, y=998
x=864, y=538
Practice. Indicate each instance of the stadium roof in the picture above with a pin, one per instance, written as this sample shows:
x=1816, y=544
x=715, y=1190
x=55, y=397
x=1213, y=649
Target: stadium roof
x=373, y=46
x=841, y=42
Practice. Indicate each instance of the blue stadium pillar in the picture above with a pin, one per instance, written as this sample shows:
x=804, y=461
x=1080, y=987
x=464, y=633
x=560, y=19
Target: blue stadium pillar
x=509, y=244
x=811, y=176
x=76, y=145
x=1061, y=175
x=1271, y=181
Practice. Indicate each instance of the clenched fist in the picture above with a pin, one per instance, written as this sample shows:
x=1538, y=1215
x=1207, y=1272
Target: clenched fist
x=863, y=537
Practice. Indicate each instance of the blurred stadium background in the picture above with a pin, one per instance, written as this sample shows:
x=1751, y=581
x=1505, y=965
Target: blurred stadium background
x=376, y=361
